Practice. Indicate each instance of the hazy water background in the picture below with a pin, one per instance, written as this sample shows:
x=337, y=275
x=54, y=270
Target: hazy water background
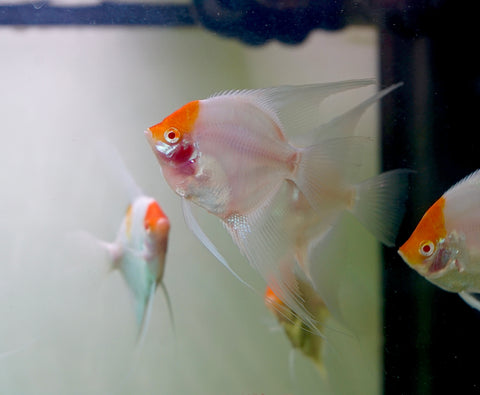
x=63, y=87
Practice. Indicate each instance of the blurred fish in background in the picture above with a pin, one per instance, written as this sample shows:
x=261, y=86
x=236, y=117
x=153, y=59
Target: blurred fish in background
x=445, y=246
x=140, y=247
x=300, y=336
x=230, y=155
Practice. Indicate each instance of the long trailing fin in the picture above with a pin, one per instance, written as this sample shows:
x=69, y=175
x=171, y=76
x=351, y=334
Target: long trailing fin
x=265, y=237
x=380, y=204
x=198, y=232
x=193, y=225
x=327, y=265
x=344, y=125
x=297, y=107
x=146, y=314
x=471, y=300
x=168, y=302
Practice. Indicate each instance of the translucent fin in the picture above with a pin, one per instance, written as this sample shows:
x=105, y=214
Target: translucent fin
x=343, y=125
x=143, y=310
x=198, y=232
x=323, y=171
x=470, y=299
x=86, y=240
x=113, y=249
x=116, y=166
x=327, y=265
x=296, y=107
x=169, y=307
x=265, y=238
x=380, y=204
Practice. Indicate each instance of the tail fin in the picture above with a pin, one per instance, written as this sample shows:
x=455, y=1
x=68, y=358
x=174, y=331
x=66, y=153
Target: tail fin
x=380, y=204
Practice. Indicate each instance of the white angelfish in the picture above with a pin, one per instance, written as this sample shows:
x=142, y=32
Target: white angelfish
x=230, y=155
x=140, y=247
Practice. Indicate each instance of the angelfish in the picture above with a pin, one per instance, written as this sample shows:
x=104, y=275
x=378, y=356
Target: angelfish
x=140, y=247
x=230, y=155
x=445, y=246
x=139, y=252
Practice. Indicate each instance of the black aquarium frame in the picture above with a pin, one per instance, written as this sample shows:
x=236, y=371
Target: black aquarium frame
x=430, y=125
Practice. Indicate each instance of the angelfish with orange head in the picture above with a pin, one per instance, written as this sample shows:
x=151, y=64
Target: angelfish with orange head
x=140, y=247
x=445, y=246
x=234, y=154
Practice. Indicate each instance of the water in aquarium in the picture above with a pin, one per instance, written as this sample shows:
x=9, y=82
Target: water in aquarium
x=207, y=197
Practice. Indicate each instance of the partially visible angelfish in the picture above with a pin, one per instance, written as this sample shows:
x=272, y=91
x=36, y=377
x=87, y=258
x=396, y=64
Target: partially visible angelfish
x=301, y=338
x=230, y=155
x=445, y=246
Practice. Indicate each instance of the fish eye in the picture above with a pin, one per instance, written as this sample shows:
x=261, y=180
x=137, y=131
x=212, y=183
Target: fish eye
x=426, y=248
x=172, y=135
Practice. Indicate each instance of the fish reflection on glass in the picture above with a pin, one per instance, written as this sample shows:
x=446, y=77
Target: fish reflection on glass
x=230, y=155
x=445, y=246
x=298, y=333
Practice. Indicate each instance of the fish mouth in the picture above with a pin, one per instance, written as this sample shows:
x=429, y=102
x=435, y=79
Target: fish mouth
x=402, y=255
x=159, y=146
x=417, y=267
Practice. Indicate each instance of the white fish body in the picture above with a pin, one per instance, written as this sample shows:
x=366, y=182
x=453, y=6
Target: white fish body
x=230, y=155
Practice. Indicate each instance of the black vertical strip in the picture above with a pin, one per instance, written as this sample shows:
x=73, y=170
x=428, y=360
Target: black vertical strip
x=429, y=125
x=406, y=361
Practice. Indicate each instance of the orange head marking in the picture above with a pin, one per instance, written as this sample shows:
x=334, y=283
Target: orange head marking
x=424, y=239
x=174, y=127
x=155, y=219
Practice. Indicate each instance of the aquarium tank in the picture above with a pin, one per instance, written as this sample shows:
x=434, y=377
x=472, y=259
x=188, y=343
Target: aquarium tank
x=89, y=303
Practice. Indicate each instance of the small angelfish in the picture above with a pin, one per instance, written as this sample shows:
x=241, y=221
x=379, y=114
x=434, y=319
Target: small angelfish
x=140, y=247
x=445, y=246
x=230, y=155
x=139, y=253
